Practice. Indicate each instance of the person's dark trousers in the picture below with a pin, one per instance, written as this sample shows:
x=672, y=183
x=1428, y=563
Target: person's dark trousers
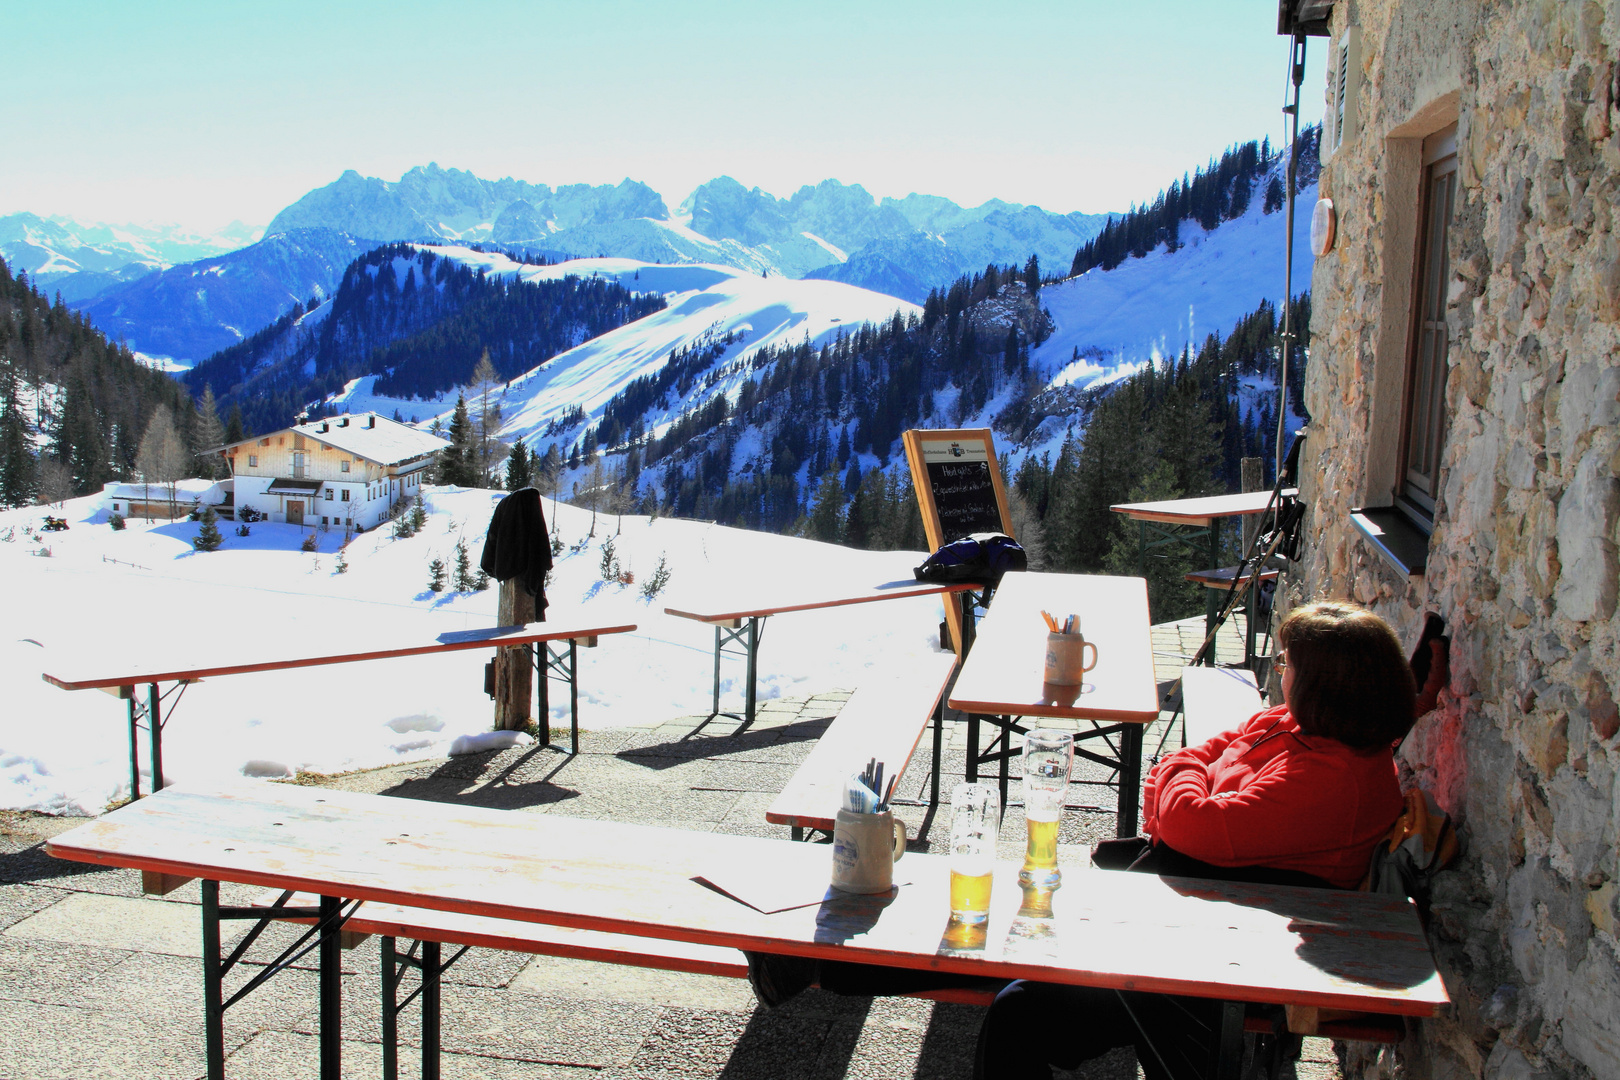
x=1034, y=1026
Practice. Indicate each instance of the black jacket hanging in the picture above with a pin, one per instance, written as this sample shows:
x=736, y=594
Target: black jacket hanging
x=518, y=545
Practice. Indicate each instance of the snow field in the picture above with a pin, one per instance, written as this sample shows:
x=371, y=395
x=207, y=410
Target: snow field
x=67, y=752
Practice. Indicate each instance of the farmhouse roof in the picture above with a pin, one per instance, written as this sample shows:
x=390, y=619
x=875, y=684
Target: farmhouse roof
x=368, y=436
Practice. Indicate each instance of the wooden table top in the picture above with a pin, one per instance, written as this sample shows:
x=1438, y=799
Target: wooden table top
x=1325, y=948
x=1003, y=672
x=136, y=666
x=778, y=596
x=1200, y=511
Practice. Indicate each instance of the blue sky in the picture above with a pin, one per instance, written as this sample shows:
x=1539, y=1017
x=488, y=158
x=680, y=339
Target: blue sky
x=201, y=113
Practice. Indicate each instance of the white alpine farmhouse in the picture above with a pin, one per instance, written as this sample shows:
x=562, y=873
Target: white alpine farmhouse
x=339, y=471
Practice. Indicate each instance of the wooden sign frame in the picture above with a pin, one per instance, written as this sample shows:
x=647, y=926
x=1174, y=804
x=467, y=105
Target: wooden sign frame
x=944, y=446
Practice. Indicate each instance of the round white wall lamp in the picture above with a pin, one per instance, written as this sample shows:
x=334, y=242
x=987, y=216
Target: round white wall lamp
x=1324, y=227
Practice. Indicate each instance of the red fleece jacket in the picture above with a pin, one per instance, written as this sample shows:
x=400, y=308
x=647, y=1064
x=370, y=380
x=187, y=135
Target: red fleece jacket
x=1267, y=794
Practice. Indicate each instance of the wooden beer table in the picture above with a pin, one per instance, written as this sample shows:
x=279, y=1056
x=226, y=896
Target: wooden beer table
x=120, y=675
x=1237, y=943
x=1002, y=679
x=740, y=619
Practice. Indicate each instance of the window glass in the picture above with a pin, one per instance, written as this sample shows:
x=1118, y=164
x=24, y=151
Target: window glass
x=343, y=466
x=1425, y=422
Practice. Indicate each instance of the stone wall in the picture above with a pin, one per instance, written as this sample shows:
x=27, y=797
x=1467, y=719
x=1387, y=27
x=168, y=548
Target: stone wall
x=1523, y=750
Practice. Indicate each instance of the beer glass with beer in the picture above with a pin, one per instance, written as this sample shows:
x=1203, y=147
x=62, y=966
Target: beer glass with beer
x=1047, y=757
x=975, y=820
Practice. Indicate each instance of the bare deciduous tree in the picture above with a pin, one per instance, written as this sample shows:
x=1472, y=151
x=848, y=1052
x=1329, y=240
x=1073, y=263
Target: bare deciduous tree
x=162, y=458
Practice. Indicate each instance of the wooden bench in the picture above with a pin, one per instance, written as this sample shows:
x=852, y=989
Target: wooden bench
x=1215, y=699
x=435, y=929
x=884, y=719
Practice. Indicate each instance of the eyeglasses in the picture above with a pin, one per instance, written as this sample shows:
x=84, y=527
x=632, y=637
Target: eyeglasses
x=1279, y=663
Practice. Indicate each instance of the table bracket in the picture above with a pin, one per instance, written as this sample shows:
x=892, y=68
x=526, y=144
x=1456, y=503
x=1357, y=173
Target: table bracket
x=394, y=964
x=328, y=918
x=1127, y=763
x=151, y=717
x=748, y=634
x=562, y=665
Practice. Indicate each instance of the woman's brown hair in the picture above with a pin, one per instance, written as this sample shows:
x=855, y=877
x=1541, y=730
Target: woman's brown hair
x=1352, y=681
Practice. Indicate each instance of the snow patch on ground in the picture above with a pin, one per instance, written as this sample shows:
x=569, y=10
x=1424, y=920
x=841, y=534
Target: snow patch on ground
x=102, y=595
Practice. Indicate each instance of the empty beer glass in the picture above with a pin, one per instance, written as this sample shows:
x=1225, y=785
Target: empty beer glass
x=1047, y=757
x=975, y=820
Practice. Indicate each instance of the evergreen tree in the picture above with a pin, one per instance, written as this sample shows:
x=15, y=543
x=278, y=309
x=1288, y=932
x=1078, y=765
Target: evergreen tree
x=207, y=435
x=234, y=432
x=457, y=462
x=18, y=472
x=208, y=537
x=436, y=575
x=463, y=568
x=519, y=467
x=827, y=513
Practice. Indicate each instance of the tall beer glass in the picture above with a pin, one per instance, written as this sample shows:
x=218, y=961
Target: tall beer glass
x=1048, y=756
x=975, y=821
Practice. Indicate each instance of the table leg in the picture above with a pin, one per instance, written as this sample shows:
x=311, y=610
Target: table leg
x=134, y=745
x=973, y=748
x=715, y=711
x=432, y=985
x=543, y=721
x=213, y=979
x=1228, y=1063
x=1130, y=779
x=154, y=723
x=391, y=972
x=331, y=1007
x=939, y=739
x=573, y=696
x=1213, y=598
x=753, y=668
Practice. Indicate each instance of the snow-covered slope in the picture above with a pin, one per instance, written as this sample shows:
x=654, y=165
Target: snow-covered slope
x=706, y=302
x=1150, y=308
x=65, y=752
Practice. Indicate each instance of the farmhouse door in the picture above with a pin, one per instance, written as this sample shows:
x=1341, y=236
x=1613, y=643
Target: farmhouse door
x=295, y=511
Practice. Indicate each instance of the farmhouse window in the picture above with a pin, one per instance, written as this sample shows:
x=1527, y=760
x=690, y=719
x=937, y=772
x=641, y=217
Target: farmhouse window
x=345, y=494
x=1424, y=427
x=253, y=461
x=328, y=494
x=343, y=466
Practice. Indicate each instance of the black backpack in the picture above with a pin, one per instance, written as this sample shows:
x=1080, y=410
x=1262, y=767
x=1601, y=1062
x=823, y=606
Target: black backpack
x=981, y=557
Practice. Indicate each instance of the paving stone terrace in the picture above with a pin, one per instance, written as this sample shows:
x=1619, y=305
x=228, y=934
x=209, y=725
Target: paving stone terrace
x=97, y=980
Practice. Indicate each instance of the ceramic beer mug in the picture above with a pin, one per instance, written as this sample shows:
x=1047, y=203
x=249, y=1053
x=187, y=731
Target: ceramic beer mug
x=1066, y=659
x=865, y=849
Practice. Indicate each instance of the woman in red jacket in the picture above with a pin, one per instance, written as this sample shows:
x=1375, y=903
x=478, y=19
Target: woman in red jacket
x=1297, y=795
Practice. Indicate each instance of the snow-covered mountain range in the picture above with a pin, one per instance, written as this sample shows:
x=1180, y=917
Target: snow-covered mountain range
x=79, y=260
x=832, y=231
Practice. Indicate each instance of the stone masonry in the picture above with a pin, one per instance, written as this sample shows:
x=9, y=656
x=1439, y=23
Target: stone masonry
x=1522, y=560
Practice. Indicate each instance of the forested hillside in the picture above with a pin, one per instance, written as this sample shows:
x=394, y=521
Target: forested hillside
x=74, y=407
x=418, y=320
x=1221, y=192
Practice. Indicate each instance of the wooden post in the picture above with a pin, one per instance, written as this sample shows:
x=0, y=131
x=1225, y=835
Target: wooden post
x=1252, y=477
x=514, y=676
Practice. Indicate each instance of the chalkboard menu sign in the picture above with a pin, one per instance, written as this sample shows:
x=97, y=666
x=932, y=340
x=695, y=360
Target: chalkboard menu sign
x=958, y=489
x=958, y=484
